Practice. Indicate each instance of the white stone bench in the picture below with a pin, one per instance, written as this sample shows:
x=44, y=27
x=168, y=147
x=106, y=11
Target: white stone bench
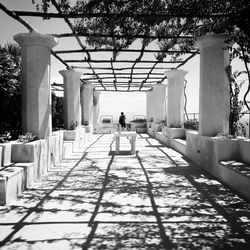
x=14, y=180
x=237, y=175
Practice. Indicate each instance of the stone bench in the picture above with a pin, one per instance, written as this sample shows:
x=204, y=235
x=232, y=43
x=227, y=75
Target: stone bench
x=237, y=175
x=14, y=179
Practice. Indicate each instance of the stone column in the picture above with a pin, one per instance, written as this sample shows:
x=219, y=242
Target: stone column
x=96, y=108
x=214, y=102
x=71, y=101
x=36, y=92
x=87, y=104
x=175, y=105
x=159, y=102
x=149, y=105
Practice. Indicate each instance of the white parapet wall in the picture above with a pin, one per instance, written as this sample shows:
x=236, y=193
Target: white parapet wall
x=28, y=162
x=226, y=159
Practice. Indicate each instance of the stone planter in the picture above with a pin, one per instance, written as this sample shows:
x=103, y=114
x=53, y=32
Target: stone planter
x=88, y=128
x=70, y=135
x=38, y=152
x=149, y=124
x=139, y=126
x=245, y=151
x=5, y=154
x=156, y=127
x=164, y=130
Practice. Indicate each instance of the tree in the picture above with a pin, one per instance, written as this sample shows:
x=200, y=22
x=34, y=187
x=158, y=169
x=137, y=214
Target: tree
x=10, y=90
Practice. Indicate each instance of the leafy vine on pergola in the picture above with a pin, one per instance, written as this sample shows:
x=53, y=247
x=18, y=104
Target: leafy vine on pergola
x=113, y=25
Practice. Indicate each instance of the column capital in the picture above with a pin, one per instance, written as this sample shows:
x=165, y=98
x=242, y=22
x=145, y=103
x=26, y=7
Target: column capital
x=88, y=86
x=175, y=73
x=211, y=40
x=29, y=39
x=159, y=86
x=70, y=72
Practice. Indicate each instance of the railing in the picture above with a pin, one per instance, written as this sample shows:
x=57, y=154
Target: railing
x=245, y=120
x=191, y=116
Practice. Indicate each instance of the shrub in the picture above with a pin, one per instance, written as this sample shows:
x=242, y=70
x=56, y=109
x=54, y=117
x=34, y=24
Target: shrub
x=73, y=125
x=191, y=124
x=27, y=137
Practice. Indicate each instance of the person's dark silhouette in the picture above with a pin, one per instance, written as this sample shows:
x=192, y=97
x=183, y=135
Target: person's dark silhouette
x=122, y=121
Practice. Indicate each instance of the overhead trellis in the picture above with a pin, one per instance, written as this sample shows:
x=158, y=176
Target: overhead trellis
x=127, y=30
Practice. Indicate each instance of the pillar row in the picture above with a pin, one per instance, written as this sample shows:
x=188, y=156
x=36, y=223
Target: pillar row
x=214, y=102
x=87, y=104
x=36, y=92
x=149, y=105
x=159, y=102
x=71, y=82
x=96, y=107
x=175, y=92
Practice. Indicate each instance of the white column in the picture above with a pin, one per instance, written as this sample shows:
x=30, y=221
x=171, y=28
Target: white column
x=36, y=92
x=71, y=82
x=87, y=104
x=159, y=102
x=214, y=102
x=175, y=105
x=96, y=108
x=149, y=105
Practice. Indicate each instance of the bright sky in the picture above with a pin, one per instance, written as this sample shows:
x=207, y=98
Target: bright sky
x=112, y=103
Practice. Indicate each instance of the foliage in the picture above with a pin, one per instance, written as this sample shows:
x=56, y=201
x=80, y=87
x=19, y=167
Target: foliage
x=176, y=125
x=10, y=90
x=73, y=125
x=191, y=124
x=151, y=119
x=85, y=123
x=27, y=137
x=57, y=112
x=138, y=120
x=235, y=104
x=190, y=18
x=106, y=120
x=5, y=137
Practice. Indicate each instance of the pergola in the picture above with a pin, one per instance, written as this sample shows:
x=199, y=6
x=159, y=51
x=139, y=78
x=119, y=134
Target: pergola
x=126, y=75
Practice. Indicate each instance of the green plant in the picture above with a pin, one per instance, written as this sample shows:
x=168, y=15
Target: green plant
x=163, y=123
x=27, y=137
x=85, y=123
x=5, y=137
x=151, y=119
x=138, y=120
x=175, y=125
x=191, y=124
x=57, y=112
x=235, y=104
x=10, y=90
x=73, y=125
x=106, y=120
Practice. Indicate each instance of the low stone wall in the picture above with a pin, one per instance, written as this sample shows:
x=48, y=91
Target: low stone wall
x=22, y=164
x=210, y=153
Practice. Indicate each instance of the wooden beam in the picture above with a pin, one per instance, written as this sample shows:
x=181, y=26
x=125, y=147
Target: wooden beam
x=86, y=34
x=123, y=15
x=119, y=61
x=30, y=28
x=117, y=74
x=121, y=69
x=122, y=50
x=120, y=77
x=115, y=80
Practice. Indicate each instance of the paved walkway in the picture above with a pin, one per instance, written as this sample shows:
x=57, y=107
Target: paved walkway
x=155, y=199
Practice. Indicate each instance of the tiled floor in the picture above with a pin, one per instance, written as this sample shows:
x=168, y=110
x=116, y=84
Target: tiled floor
x=155, y=199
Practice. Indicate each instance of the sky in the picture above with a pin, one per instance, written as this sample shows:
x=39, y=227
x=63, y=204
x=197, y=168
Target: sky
x=111, y=103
